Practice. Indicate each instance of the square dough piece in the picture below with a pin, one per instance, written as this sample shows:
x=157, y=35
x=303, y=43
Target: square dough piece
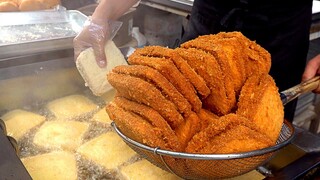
x=19, y=122
x=52, y=166
x=95, y=76
x=71, y=107
x=143, y=169
x=107, y=150
x=102, y=117
x=66, y=135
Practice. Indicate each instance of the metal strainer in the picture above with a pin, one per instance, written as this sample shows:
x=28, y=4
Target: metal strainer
x=209, y=166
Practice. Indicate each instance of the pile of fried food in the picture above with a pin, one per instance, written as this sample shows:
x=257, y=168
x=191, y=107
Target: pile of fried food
x=213, y=94
x=27, y=5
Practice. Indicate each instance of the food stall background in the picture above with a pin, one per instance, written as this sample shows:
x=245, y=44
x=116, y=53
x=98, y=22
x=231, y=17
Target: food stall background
x=33, y=76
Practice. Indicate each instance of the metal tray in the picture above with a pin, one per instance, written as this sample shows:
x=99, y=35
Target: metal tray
x=25, y=33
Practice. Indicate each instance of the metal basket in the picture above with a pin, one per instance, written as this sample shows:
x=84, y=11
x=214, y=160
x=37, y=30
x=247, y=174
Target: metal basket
x=209, y=166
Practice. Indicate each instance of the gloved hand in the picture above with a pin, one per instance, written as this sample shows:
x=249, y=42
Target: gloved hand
x=95, y=34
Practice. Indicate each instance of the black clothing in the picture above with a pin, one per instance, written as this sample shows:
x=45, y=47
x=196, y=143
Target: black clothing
x=281, y=27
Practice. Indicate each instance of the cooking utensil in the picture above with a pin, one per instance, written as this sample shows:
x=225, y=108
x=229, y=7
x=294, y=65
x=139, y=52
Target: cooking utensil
x=209, y=166
x=304, y=87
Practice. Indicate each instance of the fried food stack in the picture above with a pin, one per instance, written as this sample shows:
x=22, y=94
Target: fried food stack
x=213, y=94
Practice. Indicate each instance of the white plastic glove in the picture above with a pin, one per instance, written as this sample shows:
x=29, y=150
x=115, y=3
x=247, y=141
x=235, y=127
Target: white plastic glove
x=95, y=34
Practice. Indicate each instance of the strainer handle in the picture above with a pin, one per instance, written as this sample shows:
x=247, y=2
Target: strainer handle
x=295, y=91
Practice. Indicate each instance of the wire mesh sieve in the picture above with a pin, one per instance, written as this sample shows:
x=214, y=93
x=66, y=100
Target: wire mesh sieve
x=209, y=166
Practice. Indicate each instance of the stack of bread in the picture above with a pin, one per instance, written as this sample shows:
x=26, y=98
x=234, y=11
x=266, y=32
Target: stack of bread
x=27, y=5
x=211, y=95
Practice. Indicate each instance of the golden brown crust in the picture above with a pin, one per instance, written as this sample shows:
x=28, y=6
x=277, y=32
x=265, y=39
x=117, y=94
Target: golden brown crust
x=228, y=134
x=143, y=92
x=222, y=56
x=260, y=102
x=135, y=127
x=234, y=55
x=258, y=59
x=169, y=71
x=214, y=92
x=222, y=98
x=188, y=129
x=153, y=118
x=163, y=52
x=31, y=5
x=206, y=117
x=153, y=76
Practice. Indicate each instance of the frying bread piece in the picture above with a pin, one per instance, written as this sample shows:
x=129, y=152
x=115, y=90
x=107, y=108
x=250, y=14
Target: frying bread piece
x=93, y=75
x=107, y=150
x=52, y=166
x=19, y=122
x=71, y=107
x=145, y=170
x=102, y=117
x=66, y=135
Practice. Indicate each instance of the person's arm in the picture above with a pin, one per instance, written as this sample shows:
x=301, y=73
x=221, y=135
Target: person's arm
x=312, y=69
x=112, y=9
x=97, y=30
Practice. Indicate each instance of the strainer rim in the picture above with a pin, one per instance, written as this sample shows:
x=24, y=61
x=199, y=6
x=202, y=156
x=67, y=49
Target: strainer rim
x=185, y=155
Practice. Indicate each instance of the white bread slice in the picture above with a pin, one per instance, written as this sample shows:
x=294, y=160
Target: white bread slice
x=94, y=76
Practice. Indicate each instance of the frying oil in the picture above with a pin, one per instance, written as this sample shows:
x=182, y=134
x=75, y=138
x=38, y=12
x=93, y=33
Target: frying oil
x=86, y=168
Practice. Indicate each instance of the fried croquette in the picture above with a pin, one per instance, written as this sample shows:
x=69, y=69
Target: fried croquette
x=163, y=52
x=222, y=98
x=136, y=127
x=224, y=57
x=260, y=102
x=141, y=91
x=228, y=134
x=258, y=59
x=169, y=71
x=206, y=117
x=211, y=95
x=188, y=129
x=153, y=76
